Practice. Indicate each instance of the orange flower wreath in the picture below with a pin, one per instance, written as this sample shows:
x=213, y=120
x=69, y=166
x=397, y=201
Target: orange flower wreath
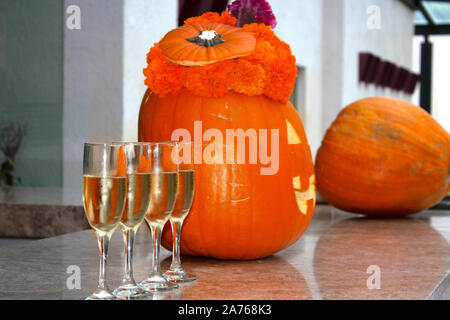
x=270, y=69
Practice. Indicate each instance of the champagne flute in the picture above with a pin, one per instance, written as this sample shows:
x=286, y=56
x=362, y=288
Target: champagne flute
x=138, y=201
x=183, y=204
x=163, y=192
x=104, y=196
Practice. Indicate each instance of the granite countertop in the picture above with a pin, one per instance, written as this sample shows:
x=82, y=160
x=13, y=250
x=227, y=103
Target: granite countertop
x=330, y=261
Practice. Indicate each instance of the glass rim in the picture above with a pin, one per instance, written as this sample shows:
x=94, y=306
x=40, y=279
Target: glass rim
x=136, y=143
x=171, y=143
x=121, y=143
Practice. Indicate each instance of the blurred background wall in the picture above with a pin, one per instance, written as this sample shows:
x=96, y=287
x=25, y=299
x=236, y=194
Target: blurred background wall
x=93, y=79
x=440, y=70
x=74, y=83
x=31, y=86
x=326, y=38
x=391, y=41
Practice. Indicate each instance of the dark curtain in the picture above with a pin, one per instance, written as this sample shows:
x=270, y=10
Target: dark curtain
x=192, y=8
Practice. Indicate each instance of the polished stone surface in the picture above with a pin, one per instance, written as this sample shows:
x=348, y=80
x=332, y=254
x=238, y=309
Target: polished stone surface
x=330, y=261
x=27, y=212
x=13, y=241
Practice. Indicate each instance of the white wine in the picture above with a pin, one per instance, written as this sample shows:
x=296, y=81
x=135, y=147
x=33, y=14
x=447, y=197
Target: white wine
x=104, y=201
x=163, y=192
x=138, y=200
x=185, y=194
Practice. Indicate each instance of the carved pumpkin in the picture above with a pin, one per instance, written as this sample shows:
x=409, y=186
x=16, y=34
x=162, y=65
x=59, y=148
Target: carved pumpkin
x=233, y=78
x=237, y=213
x=384, y=157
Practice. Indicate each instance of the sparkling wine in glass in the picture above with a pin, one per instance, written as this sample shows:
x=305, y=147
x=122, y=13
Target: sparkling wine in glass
x=185, y=195
x=104, y=197
x=163, y=192
x=138, y=201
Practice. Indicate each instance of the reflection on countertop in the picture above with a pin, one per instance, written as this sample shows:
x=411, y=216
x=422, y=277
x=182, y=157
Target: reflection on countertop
x=411, y=257
x=330, y=261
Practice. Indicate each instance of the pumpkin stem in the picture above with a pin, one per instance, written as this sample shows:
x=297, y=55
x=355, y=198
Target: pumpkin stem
x=208, y=38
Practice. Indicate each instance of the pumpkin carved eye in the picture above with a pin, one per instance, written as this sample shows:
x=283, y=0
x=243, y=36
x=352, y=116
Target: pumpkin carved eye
x=200, y=44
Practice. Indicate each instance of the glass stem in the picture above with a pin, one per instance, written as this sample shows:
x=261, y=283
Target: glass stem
x=156, y=236
x=128, y=238
x=103, y=244
x=176, y=225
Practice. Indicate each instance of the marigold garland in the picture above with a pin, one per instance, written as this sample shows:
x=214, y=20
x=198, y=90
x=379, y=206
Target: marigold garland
x=270, y=69
x=213, y=17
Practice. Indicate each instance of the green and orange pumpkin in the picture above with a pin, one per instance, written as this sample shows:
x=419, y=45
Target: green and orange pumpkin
x=384, y=157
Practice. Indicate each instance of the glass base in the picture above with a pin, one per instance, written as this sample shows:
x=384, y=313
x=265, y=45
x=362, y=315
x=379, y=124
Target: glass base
x=156, y=282
x=101, y=294
x=179, y=275
x=130, y=291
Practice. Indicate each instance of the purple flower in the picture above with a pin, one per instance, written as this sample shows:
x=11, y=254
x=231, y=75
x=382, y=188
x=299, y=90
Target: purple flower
x=250, y=11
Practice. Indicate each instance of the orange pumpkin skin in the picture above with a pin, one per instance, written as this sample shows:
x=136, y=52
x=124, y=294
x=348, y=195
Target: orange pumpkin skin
x=237, y=213
x=383, y=157
x=237, y=43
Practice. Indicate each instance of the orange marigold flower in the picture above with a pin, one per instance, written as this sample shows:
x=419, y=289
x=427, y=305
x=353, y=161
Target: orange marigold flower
x=162, y=76
x=261, y=31
x=209, y=80
x=213, y=17
x=227, y=18
x=247, y=78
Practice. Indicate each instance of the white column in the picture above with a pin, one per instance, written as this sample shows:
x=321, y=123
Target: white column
x=300, y=25
x=93, y=72
x=332, y=61
x=391, y=40
x=103, y=80
x=145, y=22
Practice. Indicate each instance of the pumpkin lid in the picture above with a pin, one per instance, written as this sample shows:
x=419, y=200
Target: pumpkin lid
x=201, y=44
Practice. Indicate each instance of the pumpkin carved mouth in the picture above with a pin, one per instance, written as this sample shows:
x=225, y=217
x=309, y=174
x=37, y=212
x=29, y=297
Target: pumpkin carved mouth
x=207, y=38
